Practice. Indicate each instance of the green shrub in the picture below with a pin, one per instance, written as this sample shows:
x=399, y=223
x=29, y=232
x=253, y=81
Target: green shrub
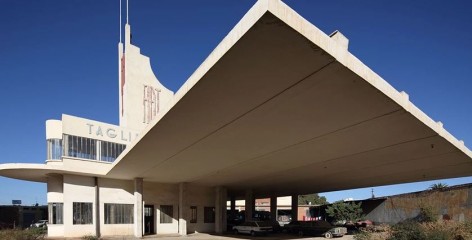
x=408, y=230
x=27, y=234
x=427, y=214
x=363, y=235
x=90, y=237
x=440, y=235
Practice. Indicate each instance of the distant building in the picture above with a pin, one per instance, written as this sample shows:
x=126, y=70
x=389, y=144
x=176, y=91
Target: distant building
x=21, y=216
x=450, y=203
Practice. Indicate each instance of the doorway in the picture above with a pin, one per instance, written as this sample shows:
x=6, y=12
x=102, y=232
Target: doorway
x=149, y=219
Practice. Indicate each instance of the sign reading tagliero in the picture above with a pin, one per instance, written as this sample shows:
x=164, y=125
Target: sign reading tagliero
x=16, y=202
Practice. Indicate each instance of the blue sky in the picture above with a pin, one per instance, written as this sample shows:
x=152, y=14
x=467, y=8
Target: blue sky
x=61, y=57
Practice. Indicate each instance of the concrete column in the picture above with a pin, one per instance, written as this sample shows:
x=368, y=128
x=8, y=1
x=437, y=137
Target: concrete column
x=220, y=209
x=183, y=208
x=138, y=207
x=249, y=204
x=295, y=207
x=273, y=208
x=97, y=209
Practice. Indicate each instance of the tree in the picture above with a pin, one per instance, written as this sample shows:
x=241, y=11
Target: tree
x=437, y=186
x=313, y=199
x=345, y=211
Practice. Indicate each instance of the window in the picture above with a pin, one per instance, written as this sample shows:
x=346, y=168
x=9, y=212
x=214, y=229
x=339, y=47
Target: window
x=167, y=213
x=119, y=213
x=55, y=213
x=80, y=147
x=54, y=149
x=82, y=213
x=193, y=214
x=110, y=151
x=209, y=215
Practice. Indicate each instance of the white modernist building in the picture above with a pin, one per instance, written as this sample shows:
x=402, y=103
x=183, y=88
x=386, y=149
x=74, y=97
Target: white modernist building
x=277, y=109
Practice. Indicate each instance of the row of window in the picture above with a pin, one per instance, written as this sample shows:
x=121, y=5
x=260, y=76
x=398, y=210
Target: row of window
x=82, y=213
x=82, y=147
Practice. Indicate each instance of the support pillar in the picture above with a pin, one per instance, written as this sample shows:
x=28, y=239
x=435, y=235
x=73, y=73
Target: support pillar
x=273, y=208
x=138, y=207
x=249, y=205
x=97, y=209
x=220, y=210
x=295, y=207
x=183, y=208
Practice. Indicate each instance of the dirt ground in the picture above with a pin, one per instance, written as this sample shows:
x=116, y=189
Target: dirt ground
x=204, y=236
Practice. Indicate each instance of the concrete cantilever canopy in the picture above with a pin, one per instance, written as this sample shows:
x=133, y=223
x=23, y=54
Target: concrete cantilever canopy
x=40, y=172
x=281, y=108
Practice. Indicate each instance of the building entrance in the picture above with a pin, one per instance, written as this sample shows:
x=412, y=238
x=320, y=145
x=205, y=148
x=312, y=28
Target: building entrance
x=149, y=219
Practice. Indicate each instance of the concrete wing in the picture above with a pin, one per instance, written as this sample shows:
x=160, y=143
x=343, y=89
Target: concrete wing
x=281, y=108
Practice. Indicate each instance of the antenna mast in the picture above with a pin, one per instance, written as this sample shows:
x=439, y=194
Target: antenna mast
x=120, y=21
x=127, y=22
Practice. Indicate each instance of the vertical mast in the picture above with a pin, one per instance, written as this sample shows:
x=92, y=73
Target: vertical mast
x=120, y=21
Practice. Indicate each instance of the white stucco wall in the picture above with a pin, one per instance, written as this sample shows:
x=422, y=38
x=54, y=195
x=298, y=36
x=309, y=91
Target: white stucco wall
x=86, y=165
x=115, y=191
x=88, y=128
x=158, y=194
x=55, y=189
x=53, y=129
x=138, y=73
x=78, y=189
x=201, y=197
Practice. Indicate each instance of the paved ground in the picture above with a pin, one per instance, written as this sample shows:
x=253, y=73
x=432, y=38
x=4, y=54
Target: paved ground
x=203, y=236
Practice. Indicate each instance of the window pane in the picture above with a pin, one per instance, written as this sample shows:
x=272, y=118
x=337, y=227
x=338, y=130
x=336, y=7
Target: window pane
x=193, y=214
x=55, y=213
x=82, y=213
x=118, y=213
x=167, y=213
x=110, y=151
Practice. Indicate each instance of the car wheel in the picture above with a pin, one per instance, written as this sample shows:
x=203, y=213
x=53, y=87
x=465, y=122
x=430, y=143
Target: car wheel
x=300, y=233
x=236, y=231
x=253, y=233
x=328, y=235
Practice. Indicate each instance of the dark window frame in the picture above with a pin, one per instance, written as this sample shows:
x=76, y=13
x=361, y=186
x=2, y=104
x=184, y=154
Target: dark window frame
x=193, y=214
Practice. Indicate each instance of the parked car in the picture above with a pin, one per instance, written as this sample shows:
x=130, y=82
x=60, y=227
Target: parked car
x=253, y=228
x=315, y=228
x=364, y=223
x=40, y=224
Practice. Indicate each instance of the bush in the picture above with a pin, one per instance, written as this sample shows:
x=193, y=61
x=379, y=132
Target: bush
x=345, y=211
x=427, y=214
x=448, y=230
x=363, y=235
x=27, y=234
x=90, y=237
x=408, y=230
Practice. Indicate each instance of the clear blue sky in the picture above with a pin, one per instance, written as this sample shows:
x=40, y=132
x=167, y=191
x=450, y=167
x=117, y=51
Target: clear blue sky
x=61, y=57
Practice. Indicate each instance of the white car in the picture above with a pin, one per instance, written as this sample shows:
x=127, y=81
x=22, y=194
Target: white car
x=40, y=224
x=253, y=228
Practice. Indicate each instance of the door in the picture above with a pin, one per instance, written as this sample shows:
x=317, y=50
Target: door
x=149, y=219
